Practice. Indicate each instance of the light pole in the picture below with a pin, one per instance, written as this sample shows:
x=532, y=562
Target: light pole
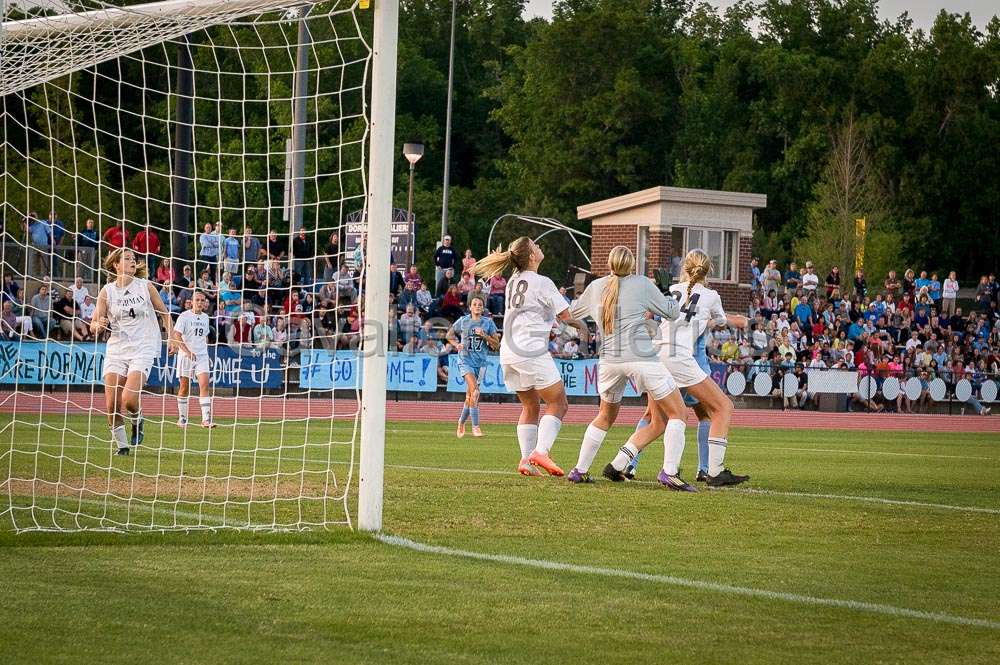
x=447, y=125
x=413, y=152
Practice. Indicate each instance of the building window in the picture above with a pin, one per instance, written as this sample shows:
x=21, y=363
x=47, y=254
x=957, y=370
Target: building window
x=721, y=247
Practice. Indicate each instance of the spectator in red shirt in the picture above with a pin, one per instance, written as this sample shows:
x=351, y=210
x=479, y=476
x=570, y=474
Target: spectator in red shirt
x=116, y=236
x=147, y=244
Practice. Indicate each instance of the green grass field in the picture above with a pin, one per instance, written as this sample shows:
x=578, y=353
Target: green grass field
x=893, y=524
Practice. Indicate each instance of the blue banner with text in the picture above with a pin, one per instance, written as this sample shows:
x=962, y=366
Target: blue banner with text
x=323, y=370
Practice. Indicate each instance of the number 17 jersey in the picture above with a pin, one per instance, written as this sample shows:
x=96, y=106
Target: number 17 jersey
x=680, y=336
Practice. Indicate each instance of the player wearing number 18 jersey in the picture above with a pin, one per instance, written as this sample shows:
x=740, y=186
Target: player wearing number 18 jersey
x=192, y=329
x=533, y=305
x=700, y=307
x=128, y=306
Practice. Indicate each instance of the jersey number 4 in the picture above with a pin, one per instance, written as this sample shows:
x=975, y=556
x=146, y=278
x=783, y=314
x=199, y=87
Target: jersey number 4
x=517, y=299
x=690, y=308
x=131, y=312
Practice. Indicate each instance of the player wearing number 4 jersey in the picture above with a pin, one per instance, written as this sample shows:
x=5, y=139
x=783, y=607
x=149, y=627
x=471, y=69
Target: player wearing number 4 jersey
x=533, y=305
x=619, y=303
x=191, y=333
x=472, y=335
x=700, y=307
x=128, y=307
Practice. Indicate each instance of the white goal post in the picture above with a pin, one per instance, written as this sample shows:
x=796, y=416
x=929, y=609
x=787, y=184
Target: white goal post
x=47, y=47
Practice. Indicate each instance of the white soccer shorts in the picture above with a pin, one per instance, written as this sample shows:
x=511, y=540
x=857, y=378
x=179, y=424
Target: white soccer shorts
x=684, y=370
x=531, y=374
x=190, y=369
x=125, y=359
x=649, y=376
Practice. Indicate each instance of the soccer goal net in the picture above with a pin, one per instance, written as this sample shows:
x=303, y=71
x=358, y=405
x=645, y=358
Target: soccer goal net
x=227, y=142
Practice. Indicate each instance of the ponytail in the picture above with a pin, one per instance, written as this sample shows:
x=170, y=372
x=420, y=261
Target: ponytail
x=517, y=256
x=697, y=266
x=621, y=262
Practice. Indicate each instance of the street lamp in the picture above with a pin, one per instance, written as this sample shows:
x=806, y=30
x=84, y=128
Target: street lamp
x=413, y=152
x=447, y=126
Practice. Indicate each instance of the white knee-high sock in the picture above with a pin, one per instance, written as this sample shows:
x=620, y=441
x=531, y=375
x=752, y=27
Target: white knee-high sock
x=182, y=407
x=206, y=409
x=548, y=430
x=592, y=440
x=673, y=446
x=119, y=436
x=716, y=455
x=526, y=437
x=625, y=455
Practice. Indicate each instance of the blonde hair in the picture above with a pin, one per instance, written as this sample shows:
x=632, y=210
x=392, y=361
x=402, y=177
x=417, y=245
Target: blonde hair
x=696, y=267
x=621, y=263
x=112, y=259
x=517, y=255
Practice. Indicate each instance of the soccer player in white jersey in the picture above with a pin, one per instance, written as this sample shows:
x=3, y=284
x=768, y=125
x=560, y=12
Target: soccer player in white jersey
x=700, y=307
x=128, y=306
x=533, y=305
x=619, y=303
x=191, y=335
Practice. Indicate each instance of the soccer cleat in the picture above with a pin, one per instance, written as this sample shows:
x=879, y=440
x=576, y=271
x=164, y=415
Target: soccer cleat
x=526, y=469
x=137, y=433
x=460, y=432
x=675, y=483
x=476, y=432
x=986, y=411
x=182, y=422
x=702, y=476
x=538, y=459
x=630, y=473
x=208, y=424
x=124, y=451
x=613, y=474
x=579, y=477
x=725, y=477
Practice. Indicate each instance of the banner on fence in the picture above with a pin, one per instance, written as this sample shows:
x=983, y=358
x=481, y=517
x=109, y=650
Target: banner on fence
x=323, y=370
x=59, y=364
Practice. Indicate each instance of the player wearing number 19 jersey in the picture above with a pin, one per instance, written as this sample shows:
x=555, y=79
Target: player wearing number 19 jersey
x=192, y=329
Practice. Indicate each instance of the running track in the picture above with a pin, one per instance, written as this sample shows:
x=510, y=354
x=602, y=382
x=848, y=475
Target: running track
x=278, y=408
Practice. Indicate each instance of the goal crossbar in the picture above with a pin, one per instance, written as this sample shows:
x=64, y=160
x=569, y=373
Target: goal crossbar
x=83, y=39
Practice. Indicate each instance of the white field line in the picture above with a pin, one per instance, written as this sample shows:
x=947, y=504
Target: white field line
x=499, y=472
x=700, y=585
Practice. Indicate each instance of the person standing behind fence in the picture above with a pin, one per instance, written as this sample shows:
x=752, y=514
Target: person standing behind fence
x=303, y=252
x=208, y=243
x=86, y=245
x=37, y=231
x=147, y=244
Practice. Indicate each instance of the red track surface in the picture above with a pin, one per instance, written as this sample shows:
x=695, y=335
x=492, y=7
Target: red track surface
x=277, y=408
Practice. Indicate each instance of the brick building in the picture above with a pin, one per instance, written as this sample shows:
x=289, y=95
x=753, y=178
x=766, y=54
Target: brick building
x=661, y=224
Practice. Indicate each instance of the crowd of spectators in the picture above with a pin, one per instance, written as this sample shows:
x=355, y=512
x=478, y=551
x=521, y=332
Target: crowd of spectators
x=266, y=292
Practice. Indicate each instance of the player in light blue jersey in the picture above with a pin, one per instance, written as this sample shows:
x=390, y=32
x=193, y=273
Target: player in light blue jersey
x=473, y=335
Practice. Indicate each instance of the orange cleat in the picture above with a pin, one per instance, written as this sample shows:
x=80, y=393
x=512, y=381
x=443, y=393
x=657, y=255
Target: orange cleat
x=538, y=459
x=208, y=424
x=460, y=432
x=476, y=432
x=526, y=469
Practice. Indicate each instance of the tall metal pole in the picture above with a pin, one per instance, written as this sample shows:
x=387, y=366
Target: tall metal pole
x=409, y=198
x=376, y=271
x=180, y=206
x=447, y=125
x=300, y=86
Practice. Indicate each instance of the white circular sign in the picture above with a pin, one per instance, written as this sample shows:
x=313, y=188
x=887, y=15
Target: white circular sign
x=913, y=388
x=789, y=385
x=938, y=390
x=963, y=390
x=867, y=388
x=989, y=391
x=736, y=383
x=890, y=388
x=762, y=384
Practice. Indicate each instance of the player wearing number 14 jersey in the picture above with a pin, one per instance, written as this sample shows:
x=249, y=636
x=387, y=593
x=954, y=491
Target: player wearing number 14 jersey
x=700, y=307
x=193, y=361
x=128, y=306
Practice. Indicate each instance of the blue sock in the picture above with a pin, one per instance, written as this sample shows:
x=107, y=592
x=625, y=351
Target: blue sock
x=465, y=414
x=703, y=427
x=474, y=412
x=634, y=464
